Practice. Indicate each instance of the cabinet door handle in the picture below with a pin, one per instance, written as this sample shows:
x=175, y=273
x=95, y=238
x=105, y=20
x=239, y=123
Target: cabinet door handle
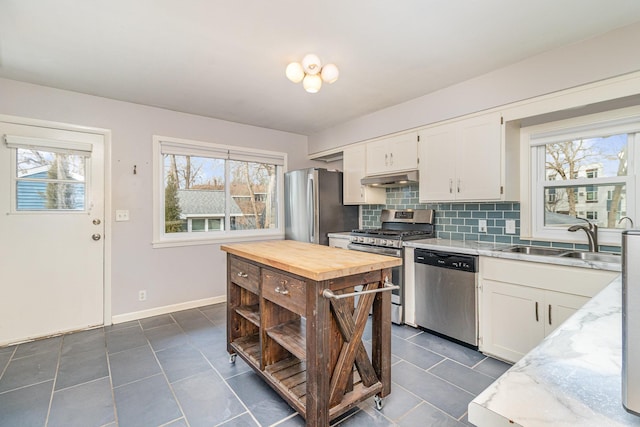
x=550, y=314
x=537, y=317
x=386, y=159
x=391, y=159
x=458, y=185
x=283, y=290
x=450, y=186
x=241, y=274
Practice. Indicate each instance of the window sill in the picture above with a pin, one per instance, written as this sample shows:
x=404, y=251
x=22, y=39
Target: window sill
x=208, y=240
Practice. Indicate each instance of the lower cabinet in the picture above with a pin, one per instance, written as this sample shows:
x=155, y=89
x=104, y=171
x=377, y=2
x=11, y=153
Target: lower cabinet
x=517, y=317
x=523, y=302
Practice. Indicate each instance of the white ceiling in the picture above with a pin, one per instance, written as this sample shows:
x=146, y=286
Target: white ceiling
x=226, y=58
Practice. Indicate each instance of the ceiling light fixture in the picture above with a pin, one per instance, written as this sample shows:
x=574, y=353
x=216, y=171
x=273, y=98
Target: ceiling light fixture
x=311, y=73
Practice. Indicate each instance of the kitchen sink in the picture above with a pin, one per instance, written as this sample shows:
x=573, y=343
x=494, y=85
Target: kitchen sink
x=535, y=250
x=594, y=256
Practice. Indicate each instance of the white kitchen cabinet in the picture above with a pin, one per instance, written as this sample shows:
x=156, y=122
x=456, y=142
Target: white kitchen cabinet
x=393, y=154
x=522, y=302
x=466, y=160
x=519, y=317
x=354, y=193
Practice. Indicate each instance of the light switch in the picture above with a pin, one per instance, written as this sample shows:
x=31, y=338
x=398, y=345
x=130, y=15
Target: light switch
x=510, y=226
x=122, y=215
x=482, y=226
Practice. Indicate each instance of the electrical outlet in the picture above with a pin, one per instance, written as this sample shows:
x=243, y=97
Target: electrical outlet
x=510, y=226
x=482, y=226
x=142, y=295
x=122, y=215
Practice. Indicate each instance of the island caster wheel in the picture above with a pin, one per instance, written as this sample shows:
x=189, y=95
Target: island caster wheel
x=232, y=358
x=379, y=401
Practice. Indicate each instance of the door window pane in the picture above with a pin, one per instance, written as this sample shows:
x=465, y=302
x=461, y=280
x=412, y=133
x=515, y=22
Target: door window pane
x=48, y=180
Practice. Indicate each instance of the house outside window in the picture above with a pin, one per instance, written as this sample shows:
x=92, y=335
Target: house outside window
x=48, y=175
x=584, y=166
x=210, y=192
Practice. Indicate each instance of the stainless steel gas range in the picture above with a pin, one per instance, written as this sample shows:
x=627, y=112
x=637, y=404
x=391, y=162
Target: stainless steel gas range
x=397, y=227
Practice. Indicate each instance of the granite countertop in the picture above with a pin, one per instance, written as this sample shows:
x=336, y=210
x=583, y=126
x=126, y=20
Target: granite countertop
x=493, y=250
x=316, y=262
x=571, y=379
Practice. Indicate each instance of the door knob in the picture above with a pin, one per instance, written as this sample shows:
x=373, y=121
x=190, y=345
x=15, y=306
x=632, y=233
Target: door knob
x=96, y=221
x=96, y=237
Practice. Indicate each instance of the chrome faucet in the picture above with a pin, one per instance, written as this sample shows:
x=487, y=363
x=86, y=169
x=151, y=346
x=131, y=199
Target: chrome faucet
x=627, y=218
x=592, y=233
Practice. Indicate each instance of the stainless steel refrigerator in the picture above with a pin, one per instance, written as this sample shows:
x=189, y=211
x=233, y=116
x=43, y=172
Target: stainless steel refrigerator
x=631, y=321
x=313, y=206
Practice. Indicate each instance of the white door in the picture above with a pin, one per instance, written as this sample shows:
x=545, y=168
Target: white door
x=51, y=231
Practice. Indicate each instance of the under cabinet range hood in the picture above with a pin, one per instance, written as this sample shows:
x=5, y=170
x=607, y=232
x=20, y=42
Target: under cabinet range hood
x=398, y=179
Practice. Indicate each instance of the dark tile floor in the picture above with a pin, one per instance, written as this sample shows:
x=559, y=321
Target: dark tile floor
x=173, y=370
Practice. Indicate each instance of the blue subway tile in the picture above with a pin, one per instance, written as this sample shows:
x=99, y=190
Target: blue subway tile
x=503, y=239
x=487, y=206
x=471, y=207
x=478, y=214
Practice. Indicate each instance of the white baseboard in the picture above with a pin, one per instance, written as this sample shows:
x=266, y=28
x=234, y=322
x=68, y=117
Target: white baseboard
x=136, y=315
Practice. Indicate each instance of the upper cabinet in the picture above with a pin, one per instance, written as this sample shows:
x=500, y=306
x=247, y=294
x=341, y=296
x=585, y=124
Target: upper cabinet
x=394, y=154
x=468, y=160
x=353, y=192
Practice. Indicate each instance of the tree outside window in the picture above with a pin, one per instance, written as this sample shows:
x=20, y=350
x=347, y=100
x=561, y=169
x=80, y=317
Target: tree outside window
x=578, y=171
x=202, y=194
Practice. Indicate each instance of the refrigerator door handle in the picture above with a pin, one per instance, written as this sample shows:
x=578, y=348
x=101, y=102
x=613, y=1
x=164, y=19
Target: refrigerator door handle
x=310, y=210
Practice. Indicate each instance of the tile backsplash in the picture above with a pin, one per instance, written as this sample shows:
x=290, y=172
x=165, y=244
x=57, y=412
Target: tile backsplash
x=459, y=221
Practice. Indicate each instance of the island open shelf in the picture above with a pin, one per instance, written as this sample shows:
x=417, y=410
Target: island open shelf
x=291, y=317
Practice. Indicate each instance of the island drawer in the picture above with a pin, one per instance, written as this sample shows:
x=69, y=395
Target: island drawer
x=245, y=274
x=285, y=291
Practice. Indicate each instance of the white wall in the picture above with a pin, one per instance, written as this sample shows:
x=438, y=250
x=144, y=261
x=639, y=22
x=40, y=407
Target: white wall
x=170, y=275
x=599, y=58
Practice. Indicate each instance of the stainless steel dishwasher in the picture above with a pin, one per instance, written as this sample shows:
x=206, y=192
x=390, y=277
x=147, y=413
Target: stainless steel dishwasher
x=446, y=294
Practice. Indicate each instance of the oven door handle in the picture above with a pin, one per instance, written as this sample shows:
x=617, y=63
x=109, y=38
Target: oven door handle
x=397, y=253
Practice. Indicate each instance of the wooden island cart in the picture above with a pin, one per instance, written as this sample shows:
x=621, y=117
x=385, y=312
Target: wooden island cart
x=291, y=317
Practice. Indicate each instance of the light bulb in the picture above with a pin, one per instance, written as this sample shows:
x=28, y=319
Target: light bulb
x=294, y=72
x=329, y=73
x=312, y=83
x=311, y=64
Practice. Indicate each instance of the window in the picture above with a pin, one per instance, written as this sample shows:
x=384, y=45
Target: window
x=210, y=192
x=582, y=168
x=49, y=175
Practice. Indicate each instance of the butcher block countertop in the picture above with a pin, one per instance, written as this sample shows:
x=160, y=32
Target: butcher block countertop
x=315, y=262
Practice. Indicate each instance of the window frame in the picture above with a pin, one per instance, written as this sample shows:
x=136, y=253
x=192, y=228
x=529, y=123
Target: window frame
x=208, y=149
x=82, y=149
x=532, y=163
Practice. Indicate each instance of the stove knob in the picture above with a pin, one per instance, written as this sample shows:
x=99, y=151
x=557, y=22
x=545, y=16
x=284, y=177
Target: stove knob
x=383, y=242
